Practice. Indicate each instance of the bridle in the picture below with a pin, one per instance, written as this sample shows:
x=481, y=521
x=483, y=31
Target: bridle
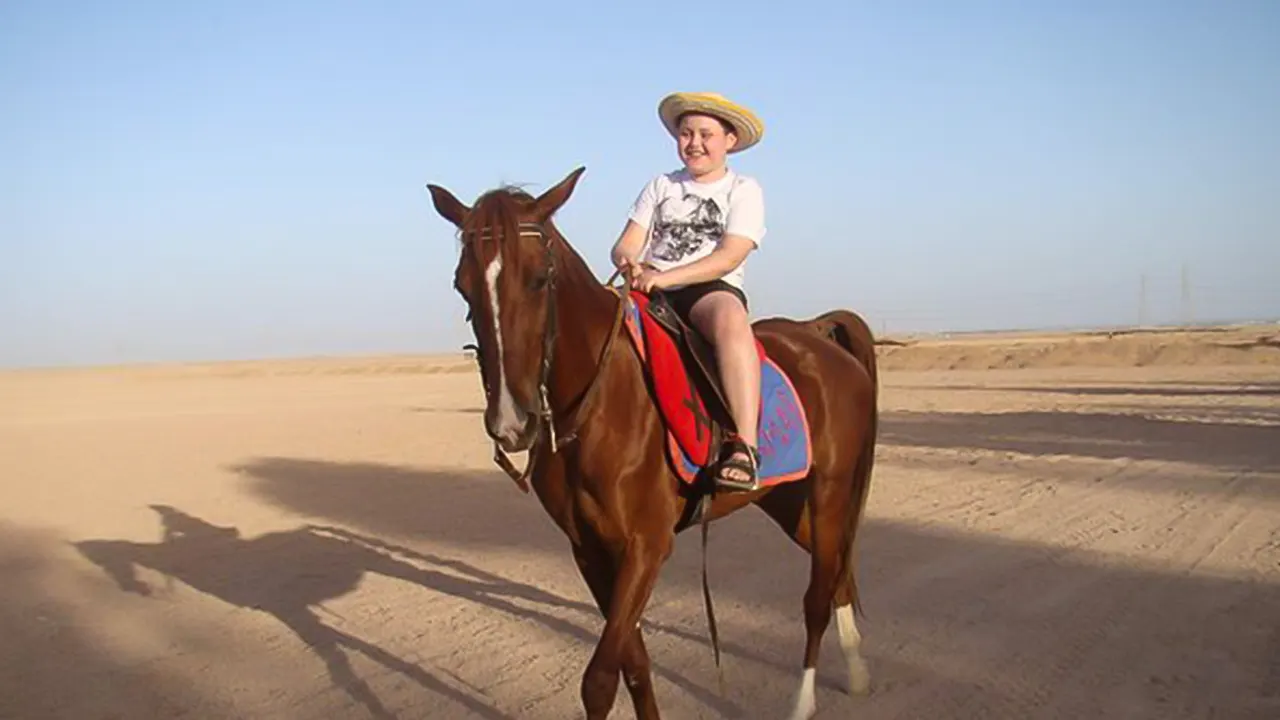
x=578, y=408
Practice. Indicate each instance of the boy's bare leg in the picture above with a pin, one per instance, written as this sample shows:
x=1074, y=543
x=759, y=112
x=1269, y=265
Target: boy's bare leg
x=722, y=319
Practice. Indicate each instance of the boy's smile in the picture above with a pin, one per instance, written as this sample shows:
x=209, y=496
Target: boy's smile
x=703, y=144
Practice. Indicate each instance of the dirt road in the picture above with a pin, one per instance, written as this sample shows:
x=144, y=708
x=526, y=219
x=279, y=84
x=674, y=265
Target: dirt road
x=1061, y=543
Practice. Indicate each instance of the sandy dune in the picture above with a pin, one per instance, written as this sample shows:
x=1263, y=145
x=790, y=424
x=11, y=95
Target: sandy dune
x=1094, y=534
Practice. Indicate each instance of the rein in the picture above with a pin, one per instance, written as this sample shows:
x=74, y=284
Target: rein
x=579, y=407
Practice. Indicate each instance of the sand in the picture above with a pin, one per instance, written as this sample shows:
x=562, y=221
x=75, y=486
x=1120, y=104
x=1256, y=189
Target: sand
x=1060, y=527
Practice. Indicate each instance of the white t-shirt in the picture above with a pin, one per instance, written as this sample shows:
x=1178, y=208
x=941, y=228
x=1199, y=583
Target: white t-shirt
x=686, y=220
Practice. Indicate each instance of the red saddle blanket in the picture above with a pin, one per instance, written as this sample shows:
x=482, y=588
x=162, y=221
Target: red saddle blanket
x=783, y=433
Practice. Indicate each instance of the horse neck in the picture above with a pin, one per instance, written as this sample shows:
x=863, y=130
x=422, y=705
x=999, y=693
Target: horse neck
x=585, y=311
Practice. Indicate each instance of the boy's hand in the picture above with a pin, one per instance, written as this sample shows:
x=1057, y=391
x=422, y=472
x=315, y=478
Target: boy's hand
x=631, y=270
x=649, y=280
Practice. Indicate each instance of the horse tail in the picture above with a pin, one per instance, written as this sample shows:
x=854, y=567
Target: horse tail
x=851, y=332
x=848, y=330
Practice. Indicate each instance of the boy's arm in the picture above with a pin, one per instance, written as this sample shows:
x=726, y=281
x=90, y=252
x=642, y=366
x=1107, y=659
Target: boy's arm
x=626, y=251
x=733, y=249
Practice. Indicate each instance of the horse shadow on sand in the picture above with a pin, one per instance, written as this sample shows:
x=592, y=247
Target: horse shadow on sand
x=291, y=574
x=968, y=623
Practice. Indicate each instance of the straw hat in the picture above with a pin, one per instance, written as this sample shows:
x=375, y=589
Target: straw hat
x=747, y=125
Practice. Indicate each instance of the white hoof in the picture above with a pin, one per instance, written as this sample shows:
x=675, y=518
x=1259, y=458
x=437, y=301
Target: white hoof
x=859, y=675
x=806, y=704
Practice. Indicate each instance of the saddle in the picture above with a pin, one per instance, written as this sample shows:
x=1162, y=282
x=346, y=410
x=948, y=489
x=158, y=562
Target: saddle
x=700, y=366
x=683, y=376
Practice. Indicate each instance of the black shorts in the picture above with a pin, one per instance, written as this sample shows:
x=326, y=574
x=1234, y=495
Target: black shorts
x=683, y=299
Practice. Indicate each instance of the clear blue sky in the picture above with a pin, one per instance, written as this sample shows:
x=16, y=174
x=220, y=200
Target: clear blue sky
x=246, y=179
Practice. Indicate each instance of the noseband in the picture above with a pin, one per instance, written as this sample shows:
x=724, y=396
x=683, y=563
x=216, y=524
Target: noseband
x=550, y=333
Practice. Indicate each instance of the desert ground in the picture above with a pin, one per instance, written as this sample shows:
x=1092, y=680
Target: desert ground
x=1060, y=526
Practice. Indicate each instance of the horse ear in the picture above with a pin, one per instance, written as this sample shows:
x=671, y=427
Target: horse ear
x=449, y=207
x=550, y=201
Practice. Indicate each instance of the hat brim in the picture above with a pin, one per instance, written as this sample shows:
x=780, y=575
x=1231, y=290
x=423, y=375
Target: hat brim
x=746, y=125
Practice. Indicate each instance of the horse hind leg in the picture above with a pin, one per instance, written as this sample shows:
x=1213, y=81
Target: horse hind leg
x=850, y=638
x=830, y=587
x=818, y=600
x=817, y=525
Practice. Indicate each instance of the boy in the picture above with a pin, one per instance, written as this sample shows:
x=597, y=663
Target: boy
x=688, y=234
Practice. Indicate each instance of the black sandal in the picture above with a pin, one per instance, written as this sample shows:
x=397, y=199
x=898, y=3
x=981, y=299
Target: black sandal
x=751, y=466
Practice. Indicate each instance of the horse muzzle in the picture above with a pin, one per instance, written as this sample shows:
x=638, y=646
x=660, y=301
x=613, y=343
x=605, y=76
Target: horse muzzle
x=513, y=430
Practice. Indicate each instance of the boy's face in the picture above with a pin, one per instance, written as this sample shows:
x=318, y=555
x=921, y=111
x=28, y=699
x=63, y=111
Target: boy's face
x=703, y=143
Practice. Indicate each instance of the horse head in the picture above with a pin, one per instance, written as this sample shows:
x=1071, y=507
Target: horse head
x=506, y=273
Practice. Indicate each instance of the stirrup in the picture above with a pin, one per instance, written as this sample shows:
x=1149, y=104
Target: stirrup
x=751, y=467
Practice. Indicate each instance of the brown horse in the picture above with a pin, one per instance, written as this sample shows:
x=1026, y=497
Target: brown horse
x=560, y=382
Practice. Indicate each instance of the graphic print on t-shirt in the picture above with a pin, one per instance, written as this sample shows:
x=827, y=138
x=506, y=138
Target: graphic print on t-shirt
x=683, y=226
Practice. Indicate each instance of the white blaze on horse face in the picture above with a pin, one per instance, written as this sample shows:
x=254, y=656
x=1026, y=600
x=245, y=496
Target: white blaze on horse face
x=509, y=421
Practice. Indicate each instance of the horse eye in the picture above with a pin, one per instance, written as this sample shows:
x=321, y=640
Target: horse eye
x=538, y=282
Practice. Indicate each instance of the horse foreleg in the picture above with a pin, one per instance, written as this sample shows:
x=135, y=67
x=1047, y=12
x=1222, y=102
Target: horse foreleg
x=637, y=571
x=597, y=570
